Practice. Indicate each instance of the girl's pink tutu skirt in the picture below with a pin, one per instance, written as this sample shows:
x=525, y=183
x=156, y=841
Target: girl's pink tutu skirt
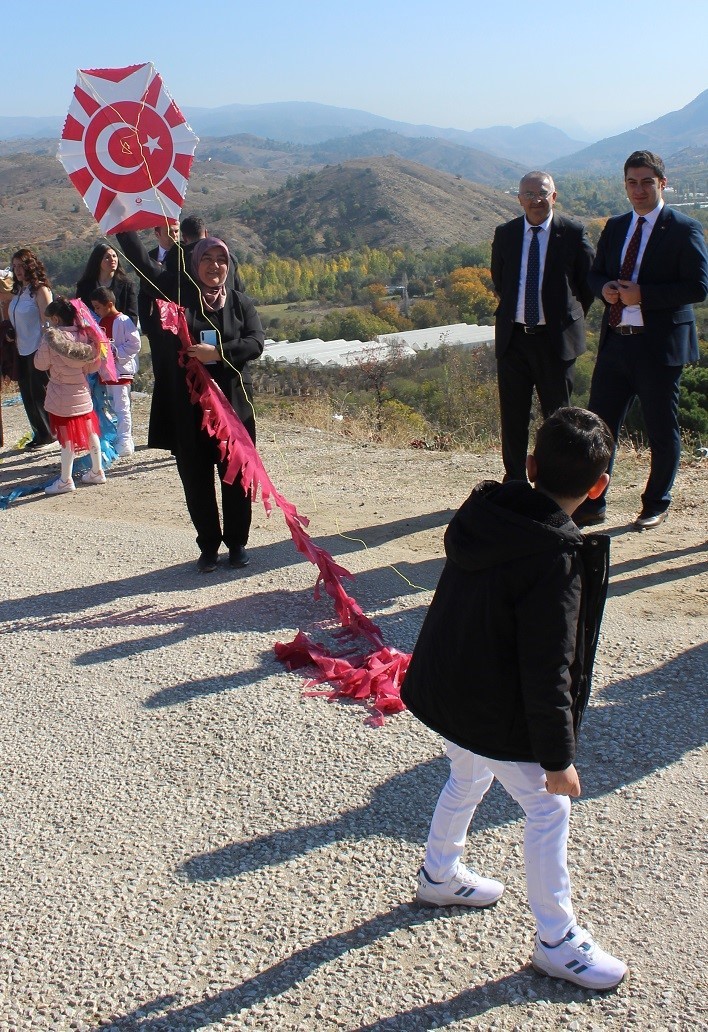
x=74, y=430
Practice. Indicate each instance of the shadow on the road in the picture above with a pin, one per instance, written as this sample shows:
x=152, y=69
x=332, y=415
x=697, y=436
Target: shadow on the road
x=34, y=469
x=627, y=565
x=661, y=574
x=647, y=722
x=296, y=967
x=268, y=611
x=381, y=533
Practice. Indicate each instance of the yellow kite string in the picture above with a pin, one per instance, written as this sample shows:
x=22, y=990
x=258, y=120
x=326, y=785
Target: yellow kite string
x=183, y=270
x=388, y=566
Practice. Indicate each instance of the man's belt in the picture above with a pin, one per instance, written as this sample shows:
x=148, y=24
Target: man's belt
x=523, y=328
x=627, y=331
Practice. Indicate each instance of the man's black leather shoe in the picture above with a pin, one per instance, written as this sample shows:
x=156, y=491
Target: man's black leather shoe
x=589, y=518
x=647, y=521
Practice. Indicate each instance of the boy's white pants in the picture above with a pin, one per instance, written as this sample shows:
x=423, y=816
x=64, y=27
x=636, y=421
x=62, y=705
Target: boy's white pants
x=545, y=834
x=119, y=398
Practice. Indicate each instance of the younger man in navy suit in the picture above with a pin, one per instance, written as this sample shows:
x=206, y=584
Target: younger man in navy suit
x=650, y=269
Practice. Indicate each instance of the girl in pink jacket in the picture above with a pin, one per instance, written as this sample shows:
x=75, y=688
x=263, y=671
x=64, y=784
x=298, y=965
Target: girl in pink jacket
x=67, y=354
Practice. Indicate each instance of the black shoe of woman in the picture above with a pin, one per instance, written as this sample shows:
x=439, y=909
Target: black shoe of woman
x=238, y=557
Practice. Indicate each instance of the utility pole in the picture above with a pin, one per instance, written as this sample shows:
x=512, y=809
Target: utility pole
x=404, y=284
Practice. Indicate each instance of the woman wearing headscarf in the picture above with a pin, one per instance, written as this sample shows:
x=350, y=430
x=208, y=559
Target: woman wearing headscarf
x=103, y=269
x=31, y=293
x=226, y=333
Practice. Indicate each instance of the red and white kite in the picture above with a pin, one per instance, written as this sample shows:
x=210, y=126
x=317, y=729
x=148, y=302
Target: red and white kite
x=127, y=147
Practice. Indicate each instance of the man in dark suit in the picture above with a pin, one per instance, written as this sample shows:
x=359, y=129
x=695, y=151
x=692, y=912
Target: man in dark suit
x=540, y=264
x=651, y=268
x=162, y=344
x=166, y=234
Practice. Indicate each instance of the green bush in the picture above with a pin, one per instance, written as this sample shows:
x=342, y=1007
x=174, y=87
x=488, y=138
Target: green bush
x=693, y=401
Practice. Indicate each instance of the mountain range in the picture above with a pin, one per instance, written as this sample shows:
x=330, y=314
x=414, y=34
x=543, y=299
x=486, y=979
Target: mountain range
x=464, y=162
x=310, y=123
x=356, y=186
x=383, y=202
x=494, y=155
x=667, y=136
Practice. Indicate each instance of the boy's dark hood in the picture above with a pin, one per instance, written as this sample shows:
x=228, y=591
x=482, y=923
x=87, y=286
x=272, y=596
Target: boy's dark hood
x=502, y=522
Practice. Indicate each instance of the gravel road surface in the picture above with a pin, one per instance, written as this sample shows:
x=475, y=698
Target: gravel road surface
x=187, y=843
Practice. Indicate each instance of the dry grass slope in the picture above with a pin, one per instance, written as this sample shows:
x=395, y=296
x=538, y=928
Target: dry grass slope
x=382, y=202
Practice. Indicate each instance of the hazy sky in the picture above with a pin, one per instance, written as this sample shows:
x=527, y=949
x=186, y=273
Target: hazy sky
x=461, y=63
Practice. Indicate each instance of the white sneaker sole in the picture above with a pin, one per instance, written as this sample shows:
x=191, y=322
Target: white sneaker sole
x=458, y=901
x=568, y=976
x=64, y=490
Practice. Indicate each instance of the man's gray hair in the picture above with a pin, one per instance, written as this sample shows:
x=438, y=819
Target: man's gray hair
x=537, y=175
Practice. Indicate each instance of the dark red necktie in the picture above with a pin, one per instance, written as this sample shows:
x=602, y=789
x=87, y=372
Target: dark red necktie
x=630, y=260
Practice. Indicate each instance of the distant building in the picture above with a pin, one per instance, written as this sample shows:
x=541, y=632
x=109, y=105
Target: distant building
x=456, y=335
x=406, y=343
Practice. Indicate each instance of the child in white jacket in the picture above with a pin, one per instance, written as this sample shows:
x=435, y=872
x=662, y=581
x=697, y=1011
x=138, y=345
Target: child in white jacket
x=125, y=343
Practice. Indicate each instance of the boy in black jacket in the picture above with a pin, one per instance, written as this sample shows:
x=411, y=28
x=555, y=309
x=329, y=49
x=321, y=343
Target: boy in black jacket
x=502, y=671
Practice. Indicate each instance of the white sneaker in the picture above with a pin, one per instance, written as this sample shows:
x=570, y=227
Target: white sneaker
x=44, y=446
x=579, y=959
x=466, y=889
x=60, y=486
x=93, y=478
x=125, y=449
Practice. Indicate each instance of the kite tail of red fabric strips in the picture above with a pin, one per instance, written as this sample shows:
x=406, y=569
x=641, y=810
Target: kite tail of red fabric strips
x=375, y=677
x=242, y=460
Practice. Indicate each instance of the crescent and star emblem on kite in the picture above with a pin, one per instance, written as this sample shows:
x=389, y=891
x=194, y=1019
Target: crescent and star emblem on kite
x=127, y=147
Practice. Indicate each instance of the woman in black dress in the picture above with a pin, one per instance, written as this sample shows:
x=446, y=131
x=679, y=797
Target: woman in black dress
x=227, y=334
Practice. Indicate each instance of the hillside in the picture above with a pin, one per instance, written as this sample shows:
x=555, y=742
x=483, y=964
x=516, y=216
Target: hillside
x=673, y=132
x=533, y=144
x=40, y=207
x=246, y=150
x=459, y=160
x=691, y=164
x=383, y=202
x=379, y=202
